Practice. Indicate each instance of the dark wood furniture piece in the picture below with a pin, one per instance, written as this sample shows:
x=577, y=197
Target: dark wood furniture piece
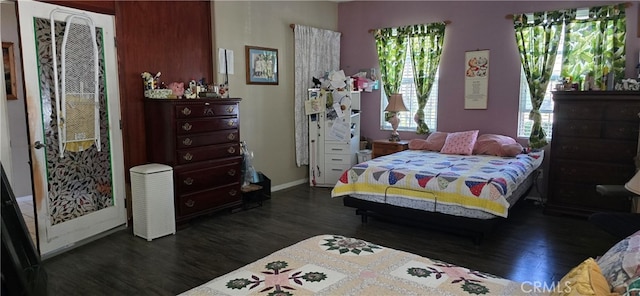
x=384, y=147
x=595, y=141
x=199, y=138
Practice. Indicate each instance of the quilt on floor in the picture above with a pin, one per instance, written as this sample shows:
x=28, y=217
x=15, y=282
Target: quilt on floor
x=338, y=265
x=472, y=181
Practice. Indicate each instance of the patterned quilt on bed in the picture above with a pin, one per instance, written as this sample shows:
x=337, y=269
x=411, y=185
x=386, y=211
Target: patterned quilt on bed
x=337, y=265
x=475, y=182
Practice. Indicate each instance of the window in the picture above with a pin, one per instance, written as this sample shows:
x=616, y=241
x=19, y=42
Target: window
x=546, y=110
x=408, y=91
x=596, y=42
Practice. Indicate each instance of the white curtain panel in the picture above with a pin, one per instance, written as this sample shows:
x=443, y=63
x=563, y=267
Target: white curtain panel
x=317, y=51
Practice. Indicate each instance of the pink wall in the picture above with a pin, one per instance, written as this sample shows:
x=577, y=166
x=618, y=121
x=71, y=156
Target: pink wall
x=474, y=25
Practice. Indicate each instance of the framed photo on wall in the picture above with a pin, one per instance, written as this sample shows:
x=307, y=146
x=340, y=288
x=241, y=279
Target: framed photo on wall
x=262, y=65
x=9, y=70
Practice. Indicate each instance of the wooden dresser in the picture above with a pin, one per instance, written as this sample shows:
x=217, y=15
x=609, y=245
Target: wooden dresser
x=200, y=139
x=384, y=147
x=594, y=141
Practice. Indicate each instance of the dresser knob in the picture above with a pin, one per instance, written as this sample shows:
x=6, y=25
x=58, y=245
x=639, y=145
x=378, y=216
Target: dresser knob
x=231, y=123
x=231, y=150
x=188, y=156
x=230, y=109
x=186, y=111
x=231, y=172
x=187, y=126
x=187, y=142
x=190, y=203
x=231, y=136
x=188, y=181
x=233, y=192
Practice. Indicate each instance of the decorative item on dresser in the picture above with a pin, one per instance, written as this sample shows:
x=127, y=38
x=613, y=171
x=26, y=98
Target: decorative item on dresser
x=595, y=141
x=200, y=139
x=384, y=147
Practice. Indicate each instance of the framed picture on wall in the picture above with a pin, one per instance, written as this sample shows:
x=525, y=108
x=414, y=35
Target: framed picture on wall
x=262, y=65
x=9, y=70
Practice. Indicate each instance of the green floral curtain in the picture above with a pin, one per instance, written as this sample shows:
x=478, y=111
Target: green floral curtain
x=426, y=49
x=391, y=46
x=538, y=41
x=596, y=43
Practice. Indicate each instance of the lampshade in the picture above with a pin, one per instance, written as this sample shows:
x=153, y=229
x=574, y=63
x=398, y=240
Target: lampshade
x=634, y=184
x=396, y=104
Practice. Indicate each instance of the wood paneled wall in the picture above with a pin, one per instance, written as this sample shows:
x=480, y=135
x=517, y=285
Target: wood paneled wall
x=172, y=37
x=103, y=6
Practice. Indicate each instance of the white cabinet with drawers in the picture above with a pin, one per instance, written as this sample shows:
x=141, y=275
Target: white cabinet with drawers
x=334, y=135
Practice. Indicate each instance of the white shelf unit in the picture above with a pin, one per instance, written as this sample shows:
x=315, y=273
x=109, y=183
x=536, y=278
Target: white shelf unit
x=333, y=140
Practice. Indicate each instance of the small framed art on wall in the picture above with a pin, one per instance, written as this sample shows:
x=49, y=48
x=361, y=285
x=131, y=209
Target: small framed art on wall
x=262, y=65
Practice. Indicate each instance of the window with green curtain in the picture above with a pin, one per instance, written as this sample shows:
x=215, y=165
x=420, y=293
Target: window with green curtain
x=538, y=37
x=390, y=44
x=595, y=42
x=426, y=49
x=592, y=40
x=424, y=45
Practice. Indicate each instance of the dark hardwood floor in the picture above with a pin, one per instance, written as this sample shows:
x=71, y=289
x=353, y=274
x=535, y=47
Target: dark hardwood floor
x=529, y=246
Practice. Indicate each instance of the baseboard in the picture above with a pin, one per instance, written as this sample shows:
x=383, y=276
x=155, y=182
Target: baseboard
x=289, y=185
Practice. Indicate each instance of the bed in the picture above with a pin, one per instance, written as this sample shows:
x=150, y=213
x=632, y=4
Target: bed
x=339, y=265
x=461, y=193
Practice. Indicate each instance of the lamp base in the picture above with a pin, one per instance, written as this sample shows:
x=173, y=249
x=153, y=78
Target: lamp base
x=395, y=121
x=394, y=138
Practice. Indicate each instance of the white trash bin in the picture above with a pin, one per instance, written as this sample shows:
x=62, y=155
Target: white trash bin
x=152, y=200
x=364, y=155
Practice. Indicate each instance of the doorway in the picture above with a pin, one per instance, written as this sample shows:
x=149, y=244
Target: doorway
x=20, y=169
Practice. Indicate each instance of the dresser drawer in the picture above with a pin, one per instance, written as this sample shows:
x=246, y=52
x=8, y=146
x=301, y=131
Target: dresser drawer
x=578, y=110
x=196, y=140
x=209, y=200
x=590, y=172
x=339, y=159
x=623, y=130
x=218, y=174
x=206, y=109
x=194, y=155
x=608, y=151
x=333, y=172
x=205, y=125
x=577, y=128
x=337, y=148
x=622, y=111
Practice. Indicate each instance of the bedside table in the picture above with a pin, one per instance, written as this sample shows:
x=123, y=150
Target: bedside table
x=384, y=147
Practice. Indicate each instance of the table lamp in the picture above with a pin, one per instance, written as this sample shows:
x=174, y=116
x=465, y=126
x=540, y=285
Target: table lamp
x=396, y=104
x=634, y=184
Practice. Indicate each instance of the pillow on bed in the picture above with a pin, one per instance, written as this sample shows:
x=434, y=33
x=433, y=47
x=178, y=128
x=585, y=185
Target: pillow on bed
x=498, y=145
x=620, y=264
x=584, y=279
x=460, y=143
x=434, y=142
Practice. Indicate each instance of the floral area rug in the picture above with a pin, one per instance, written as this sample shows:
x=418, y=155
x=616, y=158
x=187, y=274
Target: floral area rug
x=338, y=265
